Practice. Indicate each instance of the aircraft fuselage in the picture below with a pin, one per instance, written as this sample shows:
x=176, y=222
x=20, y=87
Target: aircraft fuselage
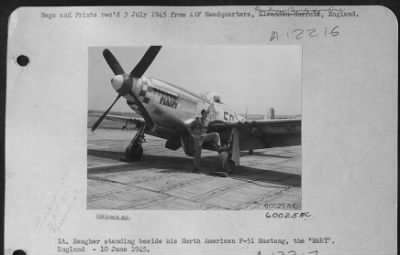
x=171, y=106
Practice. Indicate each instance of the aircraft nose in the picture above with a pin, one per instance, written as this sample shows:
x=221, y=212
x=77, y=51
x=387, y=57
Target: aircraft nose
x=117, y=82
x=122, y=84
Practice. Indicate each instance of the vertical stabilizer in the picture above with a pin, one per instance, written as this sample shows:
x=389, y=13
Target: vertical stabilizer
x=270, y=114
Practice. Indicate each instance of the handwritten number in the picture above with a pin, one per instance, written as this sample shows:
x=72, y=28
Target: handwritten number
x=300, y=33
x=311, y=32
x=334, y=32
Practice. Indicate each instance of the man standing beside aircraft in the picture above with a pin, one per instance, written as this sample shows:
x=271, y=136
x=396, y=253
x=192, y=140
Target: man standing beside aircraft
x=198, y=130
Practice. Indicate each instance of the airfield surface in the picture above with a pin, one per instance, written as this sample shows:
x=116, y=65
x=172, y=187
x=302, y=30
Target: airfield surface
x=163, y=179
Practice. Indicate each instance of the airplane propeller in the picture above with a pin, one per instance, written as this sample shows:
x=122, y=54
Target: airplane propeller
x=94, y=127
x=145, y=62
x=113, y=62
x=123, y=82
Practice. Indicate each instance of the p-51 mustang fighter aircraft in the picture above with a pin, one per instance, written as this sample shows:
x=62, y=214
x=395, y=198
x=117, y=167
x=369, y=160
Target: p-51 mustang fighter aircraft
x=167, y=110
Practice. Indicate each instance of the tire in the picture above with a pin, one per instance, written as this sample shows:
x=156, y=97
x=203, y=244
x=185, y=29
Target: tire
x=227, y=165
x=134, y=152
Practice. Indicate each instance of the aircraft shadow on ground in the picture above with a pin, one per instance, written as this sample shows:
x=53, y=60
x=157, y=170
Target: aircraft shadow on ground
x=180, y=163
x=260, y=154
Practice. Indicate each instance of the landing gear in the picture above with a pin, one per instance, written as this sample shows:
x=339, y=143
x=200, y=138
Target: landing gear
x=134, y=151
x=227, y=164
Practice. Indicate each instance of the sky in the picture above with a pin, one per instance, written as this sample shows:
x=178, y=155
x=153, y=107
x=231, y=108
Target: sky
x=251, y=78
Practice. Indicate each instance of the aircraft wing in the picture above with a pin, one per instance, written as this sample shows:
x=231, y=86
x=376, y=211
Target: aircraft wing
x=124, y=119
x=262, y=133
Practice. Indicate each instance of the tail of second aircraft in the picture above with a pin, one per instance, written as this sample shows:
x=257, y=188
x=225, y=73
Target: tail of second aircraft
x=269, y=114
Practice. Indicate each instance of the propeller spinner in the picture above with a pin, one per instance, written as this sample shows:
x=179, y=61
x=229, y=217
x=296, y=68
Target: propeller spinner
x=122, y=82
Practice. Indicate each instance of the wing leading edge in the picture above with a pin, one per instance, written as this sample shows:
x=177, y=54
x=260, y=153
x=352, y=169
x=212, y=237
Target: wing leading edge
x=137, y=121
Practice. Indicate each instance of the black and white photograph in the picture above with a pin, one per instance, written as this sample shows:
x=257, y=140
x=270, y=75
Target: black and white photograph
x=194, y=128
x=201, y=130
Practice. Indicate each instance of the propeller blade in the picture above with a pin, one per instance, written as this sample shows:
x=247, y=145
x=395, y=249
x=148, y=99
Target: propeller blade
x=113, y=62
x=145, y=114
x=145, y=62
x=94, y=127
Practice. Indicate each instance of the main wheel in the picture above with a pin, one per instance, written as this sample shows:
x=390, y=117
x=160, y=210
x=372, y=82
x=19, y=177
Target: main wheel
x=227, y=164
x=134, y=152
